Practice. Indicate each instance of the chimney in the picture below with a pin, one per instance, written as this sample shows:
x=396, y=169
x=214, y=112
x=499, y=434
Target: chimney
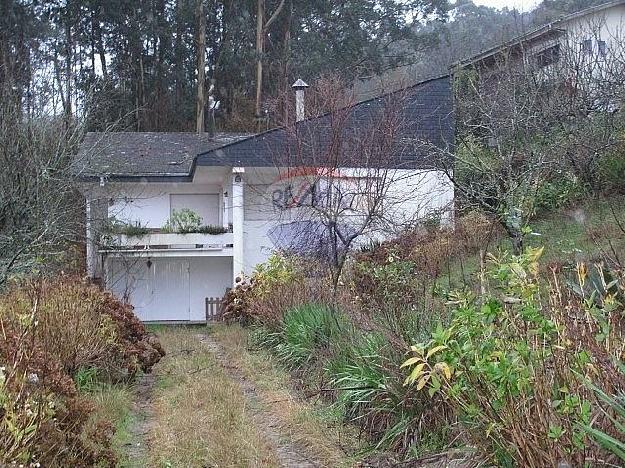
x=299, y=86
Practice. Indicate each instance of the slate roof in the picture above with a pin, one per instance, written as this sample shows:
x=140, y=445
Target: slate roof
x=426, y=115
x=144, y=154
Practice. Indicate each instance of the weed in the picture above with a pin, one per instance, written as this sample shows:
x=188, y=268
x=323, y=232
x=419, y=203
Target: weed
x=86, y=378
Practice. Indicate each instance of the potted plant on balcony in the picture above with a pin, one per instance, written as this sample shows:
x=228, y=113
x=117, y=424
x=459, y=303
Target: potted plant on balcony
x=112, y=228
x=186, y=221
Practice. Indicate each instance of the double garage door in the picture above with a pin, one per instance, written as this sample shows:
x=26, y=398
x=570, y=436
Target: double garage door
x=168, y=289
x=159, y=289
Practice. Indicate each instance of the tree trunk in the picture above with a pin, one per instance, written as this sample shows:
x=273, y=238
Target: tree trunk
x=516, y=238
x=68, y=70
x=201, y=66
x=100, y=44
x=260, y=13
x=286, y=56
x=261, y=30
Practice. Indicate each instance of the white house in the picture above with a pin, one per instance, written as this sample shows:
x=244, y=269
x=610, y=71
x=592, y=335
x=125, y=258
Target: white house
x=252, y=190
x=592, y=34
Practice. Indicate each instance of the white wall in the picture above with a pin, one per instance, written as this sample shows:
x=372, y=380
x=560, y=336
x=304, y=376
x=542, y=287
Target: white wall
x=210, y=277
x=606, y=25
x=149, y=203
x=411, y=195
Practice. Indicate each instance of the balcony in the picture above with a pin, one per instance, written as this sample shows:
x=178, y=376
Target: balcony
x=170, y=244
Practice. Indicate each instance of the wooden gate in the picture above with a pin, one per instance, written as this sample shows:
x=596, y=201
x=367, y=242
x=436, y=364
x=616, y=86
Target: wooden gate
x=214, y=308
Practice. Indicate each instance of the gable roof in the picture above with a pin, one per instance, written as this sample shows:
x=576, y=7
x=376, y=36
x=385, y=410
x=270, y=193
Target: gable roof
x=144, y=154
x=426, y=114
x=553, y=28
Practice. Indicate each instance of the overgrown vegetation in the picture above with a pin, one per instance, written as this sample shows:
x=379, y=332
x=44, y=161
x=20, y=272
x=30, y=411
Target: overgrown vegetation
x=60, y=339
x=430, y=343
x=313, y=424
x=512, y=363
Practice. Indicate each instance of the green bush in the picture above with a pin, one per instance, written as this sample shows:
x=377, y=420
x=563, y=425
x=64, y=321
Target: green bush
x=212, y=229
x=365, y=374
x=114, y=226
x=183, y=221
x=278, y=270
x=275, y=287
x=611, y=170
x=509, y=365
x=557, y=193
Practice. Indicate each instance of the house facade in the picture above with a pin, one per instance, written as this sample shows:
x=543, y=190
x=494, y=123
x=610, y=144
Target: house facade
x=588, y=37
x=174, y=218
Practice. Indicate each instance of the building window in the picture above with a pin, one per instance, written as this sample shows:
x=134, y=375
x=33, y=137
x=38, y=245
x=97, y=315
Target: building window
x=602, y=48
x=548, y=56
x=587, y=46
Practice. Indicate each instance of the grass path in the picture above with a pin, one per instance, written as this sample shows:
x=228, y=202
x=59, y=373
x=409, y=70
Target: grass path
x=200, y=416
x=212, y=403
x=288, y=453
x=136, y=449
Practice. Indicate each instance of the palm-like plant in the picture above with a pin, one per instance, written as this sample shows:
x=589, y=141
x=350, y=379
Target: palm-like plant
x=615, y=413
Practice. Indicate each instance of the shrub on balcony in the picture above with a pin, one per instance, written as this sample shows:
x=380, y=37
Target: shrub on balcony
x=212, y=229
x=186, y=221
x=113, y=226
x=183, y=221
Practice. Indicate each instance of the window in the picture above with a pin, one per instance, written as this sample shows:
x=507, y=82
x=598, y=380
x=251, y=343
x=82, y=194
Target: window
x=548, y=56
x=602, y=48
x=586, y=46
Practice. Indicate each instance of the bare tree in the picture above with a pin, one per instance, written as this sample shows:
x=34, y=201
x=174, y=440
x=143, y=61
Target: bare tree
x=40, y=211
x=346, y=175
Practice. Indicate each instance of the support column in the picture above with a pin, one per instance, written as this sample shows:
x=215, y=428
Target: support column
x=238, y=263
x=96, y=210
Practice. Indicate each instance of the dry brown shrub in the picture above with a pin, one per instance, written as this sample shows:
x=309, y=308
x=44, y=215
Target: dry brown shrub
x=245, y=305
x=431, y=249
x=83, y=326
x=49, y=330
x=42, y=419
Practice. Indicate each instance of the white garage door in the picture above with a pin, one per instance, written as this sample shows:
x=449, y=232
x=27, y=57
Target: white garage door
x=206, y=205
x=157, y=288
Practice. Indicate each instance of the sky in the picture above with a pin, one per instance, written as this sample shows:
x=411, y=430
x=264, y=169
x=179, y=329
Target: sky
x=521, y=5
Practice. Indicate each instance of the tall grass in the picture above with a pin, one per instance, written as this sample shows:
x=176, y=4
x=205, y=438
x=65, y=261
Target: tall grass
x=304, y=332
x=360, y=370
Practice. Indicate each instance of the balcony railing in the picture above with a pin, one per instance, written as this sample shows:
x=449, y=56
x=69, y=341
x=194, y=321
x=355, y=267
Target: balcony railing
x=162, y=241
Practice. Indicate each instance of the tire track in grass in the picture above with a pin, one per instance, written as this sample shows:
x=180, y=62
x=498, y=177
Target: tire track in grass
x=288, y=453
x=137, y=450
x=201, y=418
